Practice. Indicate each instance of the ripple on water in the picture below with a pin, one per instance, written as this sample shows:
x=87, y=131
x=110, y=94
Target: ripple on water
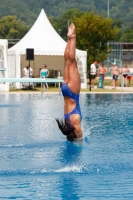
x=35, y=156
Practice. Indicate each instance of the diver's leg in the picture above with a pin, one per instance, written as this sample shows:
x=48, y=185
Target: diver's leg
x=73, y=73
x=66, y=62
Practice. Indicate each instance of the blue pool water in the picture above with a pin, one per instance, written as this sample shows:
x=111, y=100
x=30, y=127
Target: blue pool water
x=36, y=161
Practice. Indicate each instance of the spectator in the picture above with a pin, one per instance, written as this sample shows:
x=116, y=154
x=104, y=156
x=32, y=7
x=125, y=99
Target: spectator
x=125, y=70
x=102, y=70
x=28, y=71
x=93, y=73
x=44, y=73
x=115, y=73
x=129, y=78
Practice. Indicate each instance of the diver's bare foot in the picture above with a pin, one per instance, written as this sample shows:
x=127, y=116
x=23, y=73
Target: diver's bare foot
x=71, y=31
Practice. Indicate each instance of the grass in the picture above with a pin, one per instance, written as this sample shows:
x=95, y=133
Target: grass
x=52, y=89
x=107, y=82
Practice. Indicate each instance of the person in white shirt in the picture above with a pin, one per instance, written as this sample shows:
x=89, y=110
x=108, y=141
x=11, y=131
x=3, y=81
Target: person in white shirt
x=93, y=72
x=28, y=71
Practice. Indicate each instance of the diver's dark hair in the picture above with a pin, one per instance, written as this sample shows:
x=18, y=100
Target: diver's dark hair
x=66, y=129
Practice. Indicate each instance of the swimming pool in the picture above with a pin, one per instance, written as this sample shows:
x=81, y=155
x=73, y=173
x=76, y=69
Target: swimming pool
x=36, y=161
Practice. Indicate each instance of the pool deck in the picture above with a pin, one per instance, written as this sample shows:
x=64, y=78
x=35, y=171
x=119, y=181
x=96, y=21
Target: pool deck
x=118, y=90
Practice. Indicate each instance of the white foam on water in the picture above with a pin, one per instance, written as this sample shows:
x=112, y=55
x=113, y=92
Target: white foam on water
x=44, y=171
x=13, y=145
x=90, y=130
x=70, y=169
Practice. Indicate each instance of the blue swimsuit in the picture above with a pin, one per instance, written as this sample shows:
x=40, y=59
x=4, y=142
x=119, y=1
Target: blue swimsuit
x=43, y=73
x=68, y=93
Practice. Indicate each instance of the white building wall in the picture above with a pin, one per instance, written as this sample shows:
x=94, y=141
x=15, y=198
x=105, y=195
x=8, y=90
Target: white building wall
x=4, y=63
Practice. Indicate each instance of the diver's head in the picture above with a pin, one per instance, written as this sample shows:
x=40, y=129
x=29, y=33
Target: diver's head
x=66, y=129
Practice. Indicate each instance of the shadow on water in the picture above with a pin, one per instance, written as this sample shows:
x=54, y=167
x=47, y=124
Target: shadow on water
x=71, y=152
x=70, y=156
x=70, y=188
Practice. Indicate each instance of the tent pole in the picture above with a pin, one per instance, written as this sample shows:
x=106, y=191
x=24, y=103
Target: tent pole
x=29, y=73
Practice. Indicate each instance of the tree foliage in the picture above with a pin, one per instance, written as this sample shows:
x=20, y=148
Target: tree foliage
x=61, y=25
x=93, y=34
x=127, y=35
x=12, y=28
x=28, y=10
x=20, y=9
x=93, y=31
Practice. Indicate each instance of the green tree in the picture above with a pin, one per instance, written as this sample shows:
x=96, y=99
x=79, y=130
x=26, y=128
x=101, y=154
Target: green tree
x=61, y=25
x=12, y=28
x=118, y=23
x=93, y=34
x=127, y=35
x=28, y=10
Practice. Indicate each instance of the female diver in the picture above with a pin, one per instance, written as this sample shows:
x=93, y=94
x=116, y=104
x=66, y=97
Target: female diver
x=71, y=126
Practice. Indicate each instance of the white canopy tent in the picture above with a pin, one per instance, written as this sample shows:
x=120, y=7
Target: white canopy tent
x=48, y=48
x=3, y=64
